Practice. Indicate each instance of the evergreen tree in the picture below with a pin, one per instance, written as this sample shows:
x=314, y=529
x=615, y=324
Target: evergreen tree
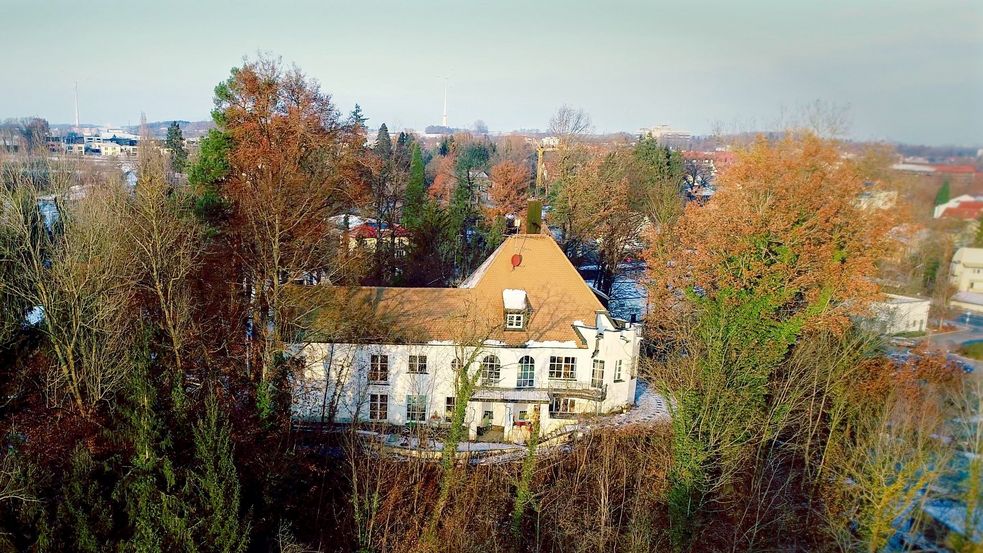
x=356, y=117
x=84, y=516
x=413, y=203
x=383, y=143
x=214, y=485
x=942, y=196
x=175, y=144
x=156, y=512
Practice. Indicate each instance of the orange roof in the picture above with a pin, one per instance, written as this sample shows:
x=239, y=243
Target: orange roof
x=556, y=295
x=964, y=210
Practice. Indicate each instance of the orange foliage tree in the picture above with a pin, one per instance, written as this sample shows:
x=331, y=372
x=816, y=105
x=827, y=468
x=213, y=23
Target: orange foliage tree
x=509, y=187
x=786, y=221
x=287, y=142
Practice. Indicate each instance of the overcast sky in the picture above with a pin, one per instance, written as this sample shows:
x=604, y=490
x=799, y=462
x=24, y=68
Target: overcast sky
x=909, y=70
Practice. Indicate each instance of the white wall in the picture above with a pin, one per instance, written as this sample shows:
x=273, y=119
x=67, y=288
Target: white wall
x=349, y=365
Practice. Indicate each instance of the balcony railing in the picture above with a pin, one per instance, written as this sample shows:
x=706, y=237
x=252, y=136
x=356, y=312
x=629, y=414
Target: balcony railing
x=567, y=388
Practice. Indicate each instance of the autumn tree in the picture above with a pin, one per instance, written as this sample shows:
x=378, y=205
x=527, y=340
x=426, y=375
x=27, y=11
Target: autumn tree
x=509, y=187
x=285, y=137
x=742, y=279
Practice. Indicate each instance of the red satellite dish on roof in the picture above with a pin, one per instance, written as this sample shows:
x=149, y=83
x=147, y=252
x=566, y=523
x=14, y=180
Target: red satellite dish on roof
x=516, y=260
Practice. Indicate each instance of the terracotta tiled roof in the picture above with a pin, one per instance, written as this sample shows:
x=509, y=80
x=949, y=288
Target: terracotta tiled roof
x=556, y=294
x=965, y=210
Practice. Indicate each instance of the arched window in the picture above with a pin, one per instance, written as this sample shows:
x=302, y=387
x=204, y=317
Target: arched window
x=491, y=369
x=527, y=373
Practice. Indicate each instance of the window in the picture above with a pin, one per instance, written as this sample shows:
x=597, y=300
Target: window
x=379, y=368
x=515, y=321
x=562, y=405
x=597, y=375
x=617, y=370
x=416, y=408
x=563, y=368
x=456, y=365
x=418, y=364
x=378, y=407
x=449, y=406
x=491, y=369
x=527, y=373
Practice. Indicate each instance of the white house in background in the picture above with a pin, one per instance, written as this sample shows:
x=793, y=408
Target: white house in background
x=960, y=207
x=897, y=314
x=966, y=270
x=525, y=319
x=966, y=276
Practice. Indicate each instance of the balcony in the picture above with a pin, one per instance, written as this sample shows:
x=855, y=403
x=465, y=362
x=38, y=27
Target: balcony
x=566, y=388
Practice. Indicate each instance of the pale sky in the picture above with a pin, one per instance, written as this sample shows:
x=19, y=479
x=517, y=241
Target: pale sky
x=910, y=71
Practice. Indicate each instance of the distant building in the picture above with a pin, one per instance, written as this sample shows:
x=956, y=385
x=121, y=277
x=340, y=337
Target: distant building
x=966, y=270
x=897, y=314
x=964, y=207
x=665, y=132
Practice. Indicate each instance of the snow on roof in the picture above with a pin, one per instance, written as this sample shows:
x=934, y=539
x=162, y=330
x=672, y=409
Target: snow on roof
x=514, y=299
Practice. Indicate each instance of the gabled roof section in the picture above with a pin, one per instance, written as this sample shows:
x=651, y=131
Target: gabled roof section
x=555, y=294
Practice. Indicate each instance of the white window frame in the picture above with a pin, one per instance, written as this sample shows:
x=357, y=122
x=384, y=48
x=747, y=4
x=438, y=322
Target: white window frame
x=618, y=370
x=515, y=320
x=562, y=368
x=450, y=403
x=526, y=375
x=378, y=366
x=417, y=364
x=597, y=374
x=491, y=369
x=563, y=406
x=412, y=408
x=378, y=405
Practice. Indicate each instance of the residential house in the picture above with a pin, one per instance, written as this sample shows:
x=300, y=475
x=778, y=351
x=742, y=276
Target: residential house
x=964, y=207
x=899, y=314
x=525, y=322
x=966, y=275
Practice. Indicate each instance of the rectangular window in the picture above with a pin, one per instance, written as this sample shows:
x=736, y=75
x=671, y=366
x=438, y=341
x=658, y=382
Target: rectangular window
x=562, y=406
x=449, y=405
x=418, y=364
x=416, y=408
x=515, y=321
x=378, y=407
x=563, y=368
x=597, y=375
x=617, y=370
x=379, y=369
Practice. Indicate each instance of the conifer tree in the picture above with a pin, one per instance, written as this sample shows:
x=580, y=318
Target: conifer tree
x=416, y=192
x=214, y=485
x=942, y=196
x=175, y=144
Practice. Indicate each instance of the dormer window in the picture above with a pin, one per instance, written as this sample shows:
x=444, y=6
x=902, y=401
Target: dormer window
x=515, y=321
x=516, y=309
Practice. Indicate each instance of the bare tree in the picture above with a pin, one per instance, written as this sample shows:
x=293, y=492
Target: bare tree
x=166, y=242
x=569, y=124
x=80, y=276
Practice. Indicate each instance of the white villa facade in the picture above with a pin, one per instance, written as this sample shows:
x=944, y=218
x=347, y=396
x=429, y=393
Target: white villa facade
x=526, y=324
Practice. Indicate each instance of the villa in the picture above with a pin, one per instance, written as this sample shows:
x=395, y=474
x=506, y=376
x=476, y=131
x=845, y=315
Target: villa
x=537, y=339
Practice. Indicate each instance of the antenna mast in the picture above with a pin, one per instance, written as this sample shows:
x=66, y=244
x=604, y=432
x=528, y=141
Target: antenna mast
x=444, y=120
x=76, y=105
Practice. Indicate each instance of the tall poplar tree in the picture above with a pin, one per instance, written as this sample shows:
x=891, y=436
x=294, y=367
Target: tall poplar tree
x=416, y=192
